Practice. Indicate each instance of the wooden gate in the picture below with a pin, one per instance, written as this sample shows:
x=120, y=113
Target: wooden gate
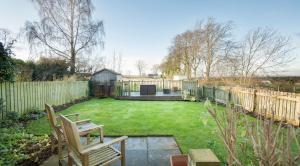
x=101, y=89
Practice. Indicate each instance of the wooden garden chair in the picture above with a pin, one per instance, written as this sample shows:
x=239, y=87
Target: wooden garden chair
x=93, y=154
x=84, y=126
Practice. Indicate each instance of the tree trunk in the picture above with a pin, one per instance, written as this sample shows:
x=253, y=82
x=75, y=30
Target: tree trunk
x=72, y=62
x=73, y=55
x=207, y=72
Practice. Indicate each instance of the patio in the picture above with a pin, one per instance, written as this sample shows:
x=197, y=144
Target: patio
x=159, y=90
x=143, y=151
x=159, y=96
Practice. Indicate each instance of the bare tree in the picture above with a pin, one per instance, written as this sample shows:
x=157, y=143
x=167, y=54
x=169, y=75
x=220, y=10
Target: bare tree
x=172, y=63
x=7, y=39
x=120, y=63
x=185, y=50
x=184, y=44
x=215, y=36
x=141, y=66
x=66, y=28
x=205, y=44
x=262, y=49
x=116, y=62
x=228, y=64
x=90, y=64
x=197, y=49
x=155, y=68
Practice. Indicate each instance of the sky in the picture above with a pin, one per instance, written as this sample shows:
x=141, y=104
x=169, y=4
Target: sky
x=144, y=29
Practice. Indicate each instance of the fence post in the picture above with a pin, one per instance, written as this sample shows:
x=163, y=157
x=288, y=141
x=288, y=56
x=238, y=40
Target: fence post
x=229, y=95
x=298, y=110
x=122, y=88
x=214, y=93
x=203, y=92
x=181, y=86
x=129, y=88
x=254, y=100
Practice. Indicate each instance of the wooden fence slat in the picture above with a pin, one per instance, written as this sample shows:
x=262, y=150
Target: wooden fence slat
x=280, y=105
x=22, y=97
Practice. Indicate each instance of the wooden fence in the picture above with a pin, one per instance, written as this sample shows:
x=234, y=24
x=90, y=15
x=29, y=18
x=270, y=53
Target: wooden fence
x=279, y=105
x=22, y=97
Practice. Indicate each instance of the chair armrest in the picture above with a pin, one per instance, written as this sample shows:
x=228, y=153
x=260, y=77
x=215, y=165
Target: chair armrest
x=101, y=145
x=75, y=114
x=89, y=130
x=83, y=121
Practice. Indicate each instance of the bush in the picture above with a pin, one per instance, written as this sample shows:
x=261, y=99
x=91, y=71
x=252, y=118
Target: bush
x=17, y=147
x=7, y=66
x=13, y=116
x=11, y=120
x=259, y=141
x=34, y=114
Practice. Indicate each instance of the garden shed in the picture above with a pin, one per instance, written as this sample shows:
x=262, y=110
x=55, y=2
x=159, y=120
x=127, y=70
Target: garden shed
x=103, y=82
x=106, y=76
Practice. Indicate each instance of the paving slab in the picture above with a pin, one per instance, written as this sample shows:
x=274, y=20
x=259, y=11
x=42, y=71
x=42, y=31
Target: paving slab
x=140, y=151
x=161, y=156
x=162, y=143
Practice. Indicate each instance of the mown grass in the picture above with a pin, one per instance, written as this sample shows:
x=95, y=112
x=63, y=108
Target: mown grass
x=188, y=122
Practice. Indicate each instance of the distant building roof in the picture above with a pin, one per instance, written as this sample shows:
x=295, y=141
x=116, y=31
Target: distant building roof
x=105, y=69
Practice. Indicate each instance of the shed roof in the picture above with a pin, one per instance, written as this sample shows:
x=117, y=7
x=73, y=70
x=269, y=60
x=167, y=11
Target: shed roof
x=105, y=69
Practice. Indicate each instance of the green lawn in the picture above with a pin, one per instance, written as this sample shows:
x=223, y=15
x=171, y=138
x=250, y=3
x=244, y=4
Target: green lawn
x=189, y=122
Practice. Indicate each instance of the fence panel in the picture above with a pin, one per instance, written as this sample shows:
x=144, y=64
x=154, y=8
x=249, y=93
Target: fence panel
x=22, y=97
x=208, y=92
x=222, y=95
x=278, y=105
x=243, y=97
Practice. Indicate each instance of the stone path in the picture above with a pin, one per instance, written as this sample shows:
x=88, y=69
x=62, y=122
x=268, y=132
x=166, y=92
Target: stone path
x=141, y=151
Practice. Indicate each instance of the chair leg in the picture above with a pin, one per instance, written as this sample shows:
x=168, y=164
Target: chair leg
x=85, y=160
x=123, y=161
x=101, y=135
x=70, y=161
x=60, y=156
x=52, y=141
x=88, y=139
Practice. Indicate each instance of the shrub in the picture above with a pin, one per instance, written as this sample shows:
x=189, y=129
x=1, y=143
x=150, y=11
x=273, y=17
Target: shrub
x=17, y=147
x=7, y=66
x=13, y=116
x=256, y=141
x=11, y=120
x=33, y=114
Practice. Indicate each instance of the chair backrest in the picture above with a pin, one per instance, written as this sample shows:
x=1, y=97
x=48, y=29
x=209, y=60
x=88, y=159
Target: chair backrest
x=51, y=116
x=72, y=134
